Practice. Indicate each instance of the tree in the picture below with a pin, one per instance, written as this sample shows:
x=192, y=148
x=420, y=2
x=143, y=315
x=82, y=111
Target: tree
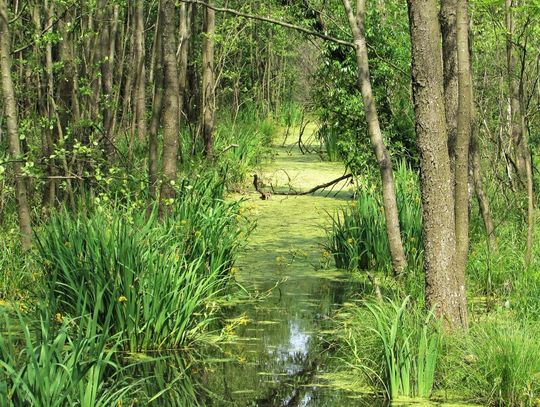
x=171, y=114
x=208, y=88
x=357, y=25
x=10, y=111
x=445, y=288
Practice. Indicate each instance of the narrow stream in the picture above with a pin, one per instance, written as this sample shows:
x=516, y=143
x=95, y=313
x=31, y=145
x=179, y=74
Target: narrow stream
x=278, y=355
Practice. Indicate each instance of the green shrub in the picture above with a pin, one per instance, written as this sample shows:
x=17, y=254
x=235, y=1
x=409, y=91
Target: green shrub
x=357, y=235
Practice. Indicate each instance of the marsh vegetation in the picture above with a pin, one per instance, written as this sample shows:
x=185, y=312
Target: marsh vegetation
x=269, y=203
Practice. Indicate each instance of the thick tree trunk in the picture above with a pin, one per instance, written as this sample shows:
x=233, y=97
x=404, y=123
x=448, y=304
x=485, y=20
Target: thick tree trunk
x=383, y=157
x=10, y=111
x=208, y=91
x=171, y=125
x=436, y=180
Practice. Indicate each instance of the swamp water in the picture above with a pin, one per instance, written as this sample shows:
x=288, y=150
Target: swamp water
x=278, y=357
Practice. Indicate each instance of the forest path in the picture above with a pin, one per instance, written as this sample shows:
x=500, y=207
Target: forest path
x=274, y=361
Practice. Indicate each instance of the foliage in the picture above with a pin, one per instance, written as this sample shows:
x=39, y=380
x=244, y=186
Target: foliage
x=61, y=362
x=394, y=345
x=496, y=364
x=357, y=237
x=158, y=278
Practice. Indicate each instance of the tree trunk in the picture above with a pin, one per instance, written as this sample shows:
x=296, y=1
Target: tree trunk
x=140, y=73
x=450, y=65
x=208, y=91
x=356, y=23
x=436, y=180
x=10, y=111
x=157, y=107
x=171, y=125
x=483, y=201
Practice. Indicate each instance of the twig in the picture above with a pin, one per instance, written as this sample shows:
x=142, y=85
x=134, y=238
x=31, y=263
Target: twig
x=318, y=187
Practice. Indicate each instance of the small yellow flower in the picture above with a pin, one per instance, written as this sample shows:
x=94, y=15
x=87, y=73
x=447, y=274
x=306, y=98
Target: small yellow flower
x=350, y=241
x=122, y=299
x=242, y=360
x=198, y=233
x=354, y=205
x=234, y=270
x=58, y=318
x=327, y=254
x=183, y=222
x=413, y=250
x=3, y=303
x=280, y=259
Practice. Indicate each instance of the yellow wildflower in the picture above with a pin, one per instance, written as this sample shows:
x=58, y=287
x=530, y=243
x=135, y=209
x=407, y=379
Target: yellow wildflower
x=350, y=241
x=234, y=270
x=58, y=318
x=198, y=233
x=327, y=254
x=242, y=360
x=183, y=222
x=122, y=299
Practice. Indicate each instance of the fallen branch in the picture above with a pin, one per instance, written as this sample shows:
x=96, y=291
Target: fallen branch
x=318, y=187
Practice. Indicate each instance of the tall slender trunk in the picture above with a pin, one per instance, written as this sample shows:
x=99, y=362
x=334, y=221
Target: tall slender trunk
x=448, y=17
x=185, y=34
x=208, y=92
x=157, y=107
x=436, y=180
x=140, y=74
x=483, y=201
x=10, y=111
x=519, y=139
x=357, y=24
x=171, y=125
x=463, y=137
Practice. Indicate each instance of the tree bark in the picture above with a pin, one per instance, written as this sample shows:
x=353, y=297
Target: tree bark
x=357, y=24
x=171, y=125
x=157, y=107
x=140, y=73
x=483, y=201
x=448, y=18
x=208, y=91
x=436, y=180
x=10, y=111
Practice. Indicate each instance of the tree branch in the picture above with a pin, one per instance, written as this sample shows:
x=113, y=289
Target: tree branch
x=272, y=21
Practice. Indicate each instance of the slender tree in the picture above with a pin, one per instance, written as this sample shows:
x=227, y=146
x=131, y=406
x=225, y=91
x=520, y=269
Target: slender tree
x=10, y=111
x=357, y=24
x=171, y=122
x=208, y=88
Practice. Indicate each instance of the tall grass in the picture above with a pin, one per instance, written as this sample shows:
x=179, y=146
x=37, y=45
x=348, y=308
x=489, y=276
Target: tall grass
x=61, y=362
x=357, y=236
x=498, y=363
x=395, y=346
x=157, y=278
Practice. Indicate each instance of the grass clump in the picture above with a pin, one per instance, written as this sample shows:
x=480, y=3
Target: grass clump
x=357, y=237
x=158, y=278
x=59, y=362
x=394, y=346
x=497, y=364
